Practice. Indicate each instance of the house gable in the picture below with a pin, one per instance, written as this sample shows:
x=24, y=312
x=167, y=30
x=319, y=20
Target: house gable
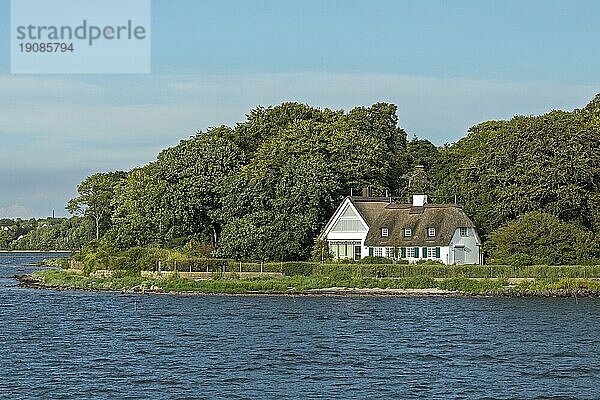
x=346, y=219
x=349, y=221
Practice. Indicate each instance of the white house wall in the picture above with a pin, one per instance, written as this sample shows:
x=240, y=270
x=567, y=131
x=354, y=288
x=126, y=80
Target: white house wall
x=355, y=235
x=471, y=245
x=445, y=254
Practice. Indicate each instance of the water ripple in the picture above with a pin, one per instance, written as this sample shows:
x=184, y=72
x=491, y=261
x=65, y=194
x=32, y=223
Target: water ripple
x=72, y=345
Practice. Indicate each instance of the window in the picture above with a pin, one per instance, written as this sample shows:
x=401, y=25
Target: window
x=407, y=232
x=384, y=232
x=342, y=249
x=431, y=252
x=464, y=231
x=431, y=232
x=410, y=252
x=389, y=252
x=349, y=222
x=378, y=252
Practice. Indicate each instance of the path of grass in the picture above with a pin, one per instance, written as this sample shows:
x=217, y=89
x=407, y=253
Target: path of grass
x=303, y=284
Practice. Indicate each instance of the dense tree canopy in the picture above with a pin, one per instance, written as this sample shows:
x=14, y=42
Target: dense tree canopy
x=504, y=169
x=264, y=189
x=177, y=197
x=46, y=234
x=541, y=238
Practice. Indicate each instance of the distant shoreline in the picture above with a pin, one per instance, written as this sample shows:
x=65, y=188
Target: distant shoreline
x=32, y=282
x=35, y=251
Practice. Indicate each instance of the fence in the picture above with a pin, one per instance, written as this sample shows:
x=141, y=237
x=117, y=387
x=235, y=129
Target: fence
x=386, y=270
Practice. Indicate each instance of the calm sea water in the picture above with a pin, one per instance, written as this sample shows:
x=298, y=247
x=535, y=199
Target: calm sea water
x=69, y=345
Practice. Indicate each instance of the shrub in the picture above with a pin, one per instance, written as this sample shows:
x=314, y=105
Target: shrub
x=297, y=268
x=375, y=260
x=537, y=238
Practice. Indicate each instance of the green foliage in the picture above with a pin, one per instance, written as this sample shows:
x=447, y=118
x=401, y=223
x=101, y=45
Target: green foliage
x=538, y=238
x=177, y=197
x=560, y=284
x=95, y=198
x=430, y=262
x=422, y=152
x=298, y=283
x=321, y=252
x=278, y=203
x=264, y=189
x=5, y=240
x=548, y=163
x=46, y=234
x=374, y=260
x=297, y=268
x=472, y=285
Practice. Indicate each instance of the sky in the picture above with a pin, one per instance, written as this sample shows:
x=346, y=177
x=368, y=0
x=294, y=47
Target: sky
x=447, y=65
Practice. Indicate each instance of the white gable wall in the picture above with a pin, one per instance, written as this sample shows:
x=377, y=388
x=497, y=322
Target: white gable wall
x=348, y=225
x=471, y=245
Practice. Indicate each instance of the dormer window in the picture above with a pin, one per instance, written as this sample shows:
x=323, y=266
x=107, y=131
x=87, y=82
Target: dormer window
x=464, y=231
x=431, y=232
x=407, y=232
x=384, y=232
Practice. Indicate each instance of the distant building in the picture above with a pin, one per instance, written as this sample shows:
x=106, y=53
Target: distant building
x=373, y=226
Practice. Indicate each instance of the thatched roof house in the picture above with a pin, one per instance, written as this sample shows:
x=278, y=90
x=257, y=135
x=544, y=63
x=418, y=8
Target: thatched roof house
x=373, y=226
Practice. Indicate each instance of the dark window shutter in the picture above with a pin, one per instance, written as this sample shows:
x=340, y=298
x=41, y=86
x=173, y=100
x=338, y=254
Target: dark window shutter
x=416, y=252
x=437, y=252
x=424, y=252
x=370, y=252
x=403, y=251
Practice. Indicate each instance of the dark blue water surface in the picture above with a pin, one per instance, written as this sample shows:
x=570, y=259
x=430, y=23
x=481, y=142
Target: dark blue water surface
x=70, y=345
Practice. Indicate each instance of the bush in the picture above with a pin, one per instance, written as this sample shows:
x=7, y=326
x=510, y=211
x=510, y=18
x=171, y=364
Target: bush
x=537, y=238
x=297, y=268
x=375, y=260
x=430, y=262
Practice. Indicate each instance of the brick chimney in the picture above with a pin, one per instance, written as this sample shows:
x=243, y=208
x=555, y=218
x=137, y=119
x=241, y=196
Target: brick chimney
x=366, y=192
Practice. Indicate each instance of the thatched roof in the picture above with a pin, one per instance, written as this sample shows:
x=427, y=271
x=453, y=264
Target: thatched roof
x=380, y=213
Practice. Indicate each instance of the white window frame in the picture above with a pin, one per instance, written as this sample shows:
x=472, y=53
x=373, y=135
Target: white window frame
x=385, y=232
x=378, y=252
x=464, y=232
x=431, y=232
x=407, y=232
x=431, y=252
x=410, y=252
x=389, y=252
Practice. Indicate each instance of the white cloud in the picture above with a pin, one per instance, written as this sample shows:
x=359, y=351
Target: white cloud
x=106, y=123
x=160, y=109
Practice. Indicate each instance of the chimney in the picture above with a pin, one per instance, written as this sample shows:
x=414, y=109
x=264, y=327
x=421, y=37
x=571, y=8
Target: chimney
x=418, y=185
x=419, y=200
x=366, y=192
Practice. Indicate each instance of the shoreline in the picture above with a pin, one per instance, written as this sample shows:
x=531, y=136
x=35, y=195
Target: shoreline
x=28, y=281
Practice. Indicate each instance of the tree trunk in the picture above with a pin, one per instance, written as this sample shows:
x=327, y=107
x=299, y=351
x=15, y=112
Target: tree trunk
x=97, y=227
x=216, y=231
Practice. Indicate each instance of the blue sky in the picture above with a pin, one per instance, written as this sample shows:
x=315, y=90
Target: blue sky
x=446, y=64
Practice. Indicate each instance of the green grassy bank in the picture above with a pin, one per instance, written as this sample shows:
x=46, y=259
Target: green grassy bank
x=304, y=284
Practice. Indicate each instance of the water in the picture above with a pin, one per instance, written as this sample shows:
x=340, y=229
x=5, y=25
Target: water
x=69, y=345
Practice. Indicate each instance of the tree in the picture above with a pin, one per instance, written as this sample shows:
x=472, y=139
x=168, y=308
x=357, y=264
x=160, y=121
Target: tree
x=177, y=198
x=541, y=238
x=275, y=208
x=504, y=169
x=95, y=198
x=5, y=239
x=194, y=172
x=422, y=152
x=278, y=203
